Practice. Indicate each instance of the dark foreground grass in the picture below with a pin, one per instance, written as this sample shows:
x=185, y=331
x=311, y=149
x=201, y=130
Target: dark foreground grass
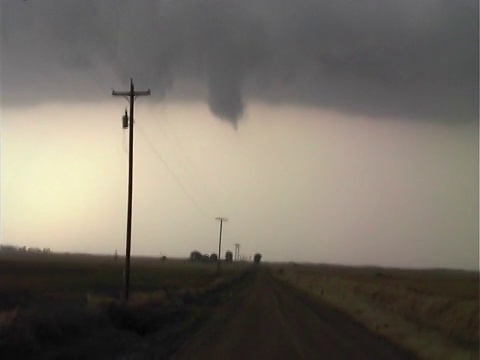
x=31, y=279
x=70, y=306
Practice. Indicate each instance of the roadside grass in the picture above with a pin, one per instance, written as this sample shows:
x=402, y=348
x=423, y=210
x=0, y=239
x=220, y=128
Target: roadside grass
x=58, y=305
x=27, y=280
x=434, y=313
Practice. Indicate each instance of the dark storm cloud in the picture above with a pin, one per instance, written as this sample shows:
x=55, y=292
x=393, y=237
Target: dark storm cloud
x=411, y=59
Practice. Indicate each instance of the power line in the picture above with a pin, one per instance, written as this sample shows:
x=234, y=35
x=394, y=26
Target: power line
x=191, y=163
x=172, y=173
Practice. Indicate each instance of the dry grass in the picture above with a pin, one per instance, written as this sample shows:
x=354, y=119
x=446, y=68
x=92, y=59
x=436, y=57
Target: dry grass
x=434, y=313
x=64, y=304
x=30, y=279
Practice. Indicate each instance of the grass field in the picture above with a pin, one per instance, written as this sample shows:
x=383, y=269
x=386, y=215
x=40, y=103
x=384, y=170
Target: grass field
x=28, y=279
x=434, y=313
x=55, y=305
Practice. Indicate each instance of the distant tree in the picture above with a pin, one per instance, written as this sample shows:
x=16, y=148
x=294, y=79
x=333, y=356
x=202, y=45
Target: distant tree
x=164, y=258
x=213, y=258
x=257, y=258
x=196, y=256
x=8, y=248
x=228, y=256
x=206, y=258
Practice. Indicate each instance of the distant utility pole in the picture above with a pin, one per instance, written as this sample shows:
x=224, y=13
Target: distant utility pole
x=221, y=219
x=237, y=253
x=128, y=121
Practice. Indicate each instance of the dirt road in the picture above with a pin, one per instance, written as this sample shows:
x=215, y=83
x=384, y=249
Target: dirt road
x=274, y=321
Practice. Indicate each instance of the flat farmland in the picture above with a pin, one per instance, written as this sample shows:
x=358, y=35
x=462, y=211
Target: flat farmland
x=64, y=305
x=56, y=306
x=433, y=313
x=29, y=279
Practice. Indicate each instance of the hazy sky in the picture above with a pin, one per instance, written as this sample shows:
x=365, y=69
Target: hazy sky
x=326, y=131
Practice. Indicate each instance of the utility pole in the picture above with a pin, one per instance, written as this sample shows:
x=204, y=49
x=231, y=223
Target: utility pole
x=128, y=122
x=221, y=219
x=237, y=253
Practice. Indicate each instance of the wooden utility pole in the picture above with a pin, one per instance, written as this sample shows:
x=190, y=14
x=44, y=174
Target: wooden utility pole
x=237, y=254
x=221, y=219
x=128, y=122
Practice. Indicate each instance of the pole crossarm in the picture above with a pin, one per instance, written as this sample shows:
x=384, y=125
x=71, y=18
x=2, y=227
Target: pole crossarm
x=135, y=93
x=131, y=96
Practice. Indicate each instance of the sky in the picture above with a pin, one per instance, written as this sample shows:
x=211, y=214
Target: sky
x=326, y=131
